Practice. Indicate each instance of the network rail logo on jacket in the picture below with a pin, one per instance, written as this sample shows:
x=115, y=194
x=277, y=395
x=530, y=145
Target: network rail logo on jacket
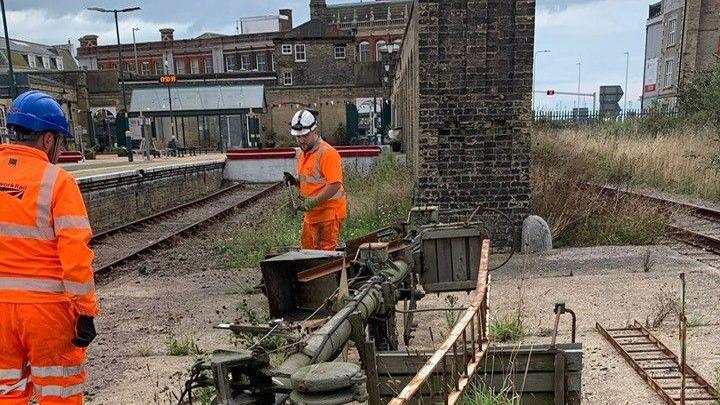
x=14, y=190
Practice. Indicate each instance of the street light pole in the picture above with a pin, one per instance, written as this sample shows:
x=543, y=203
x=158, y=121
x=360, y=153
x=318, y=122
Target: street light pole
x=534, y=70
x=137, y=71
x=120, y=61
x=579, y=65
x=627, y=71
x=13, y=88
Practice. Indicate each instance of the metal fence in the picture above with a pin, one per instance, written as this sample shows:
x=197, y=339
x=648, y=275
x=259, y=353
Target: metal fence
x=584, y=116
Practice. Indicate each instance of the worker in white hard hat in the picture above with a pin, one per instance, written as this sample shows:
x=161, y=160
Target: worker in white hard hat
x=320, y=180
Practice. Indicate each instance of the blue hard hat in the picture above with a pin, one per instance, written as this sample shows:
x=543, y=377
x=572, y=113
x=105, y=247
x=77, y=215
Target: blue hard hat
x=38, y=112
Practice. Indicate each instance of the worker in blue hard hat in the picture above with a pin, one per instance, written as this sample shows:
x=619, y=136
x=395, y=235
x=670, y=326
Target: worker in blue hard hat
x=47, y=292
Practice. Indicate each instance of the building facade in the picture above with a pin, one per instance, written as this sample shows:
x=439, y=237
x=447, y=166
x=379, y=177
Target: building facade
x=682, y=38
x=209, y=53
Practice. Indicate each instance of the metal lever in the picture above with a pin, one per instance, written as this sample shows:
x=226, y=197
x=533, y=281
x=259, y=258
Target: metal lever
x=559, y=310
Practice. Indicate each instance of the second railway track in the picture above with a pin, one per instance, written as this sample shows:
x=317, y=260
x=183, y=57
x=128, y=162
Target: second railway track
x=115, y=246
x=696, y=225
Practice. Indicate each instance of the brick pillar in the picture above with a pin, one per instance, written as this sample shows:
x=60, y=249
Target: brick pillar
x=475, y=78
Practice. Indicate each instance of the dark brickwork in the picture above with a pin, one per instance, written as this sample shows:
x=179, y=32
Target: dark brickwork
x=321, y=67
x=473, y=96
x=123, y=198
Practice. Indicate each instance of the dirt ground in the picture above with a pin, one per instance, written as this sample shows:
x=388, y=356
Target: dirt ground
x=177, y=292
x=184, y=290
x=608, y=285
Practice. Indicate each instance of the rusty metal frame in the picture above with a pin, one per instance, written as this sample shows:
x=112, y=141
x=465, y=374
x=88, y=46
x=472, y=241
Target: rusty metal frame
x=466, y=344
x=644, y=372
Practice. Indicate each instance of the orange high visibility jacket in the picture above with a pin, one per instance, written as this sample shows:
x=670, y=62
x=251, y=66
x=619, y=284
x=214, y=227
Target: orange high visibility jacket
x=317, y=168
x=44, y=233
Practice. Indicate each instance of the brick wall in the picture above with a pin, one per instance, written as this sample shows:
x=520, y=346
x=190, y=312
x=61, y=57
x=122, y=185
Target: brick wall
x=120, y=198
x=321, y=67
x=473, y=95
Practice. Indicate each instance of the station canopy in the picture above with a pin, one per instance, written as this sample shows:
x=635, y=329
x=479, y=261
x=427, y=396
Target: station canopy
x=197, y=100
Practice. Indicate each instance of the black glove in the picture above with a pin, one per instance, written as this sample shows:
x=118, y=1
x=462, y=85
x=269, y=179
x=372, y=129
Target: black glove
x=84, y=331
x=289, y=179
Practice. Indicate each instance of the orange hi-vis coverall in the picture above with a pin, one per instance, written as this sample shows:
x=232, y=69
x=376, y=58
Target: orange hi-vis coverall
x=317, y=168
x=46, y=279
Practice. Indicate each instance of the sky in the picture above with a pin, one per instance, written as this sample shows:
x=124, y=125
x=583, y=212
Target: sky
x=595, y=33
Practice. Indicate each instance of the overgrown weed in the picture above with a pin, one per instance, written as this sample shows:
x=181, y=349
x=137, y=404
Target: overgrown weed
x=182, y=346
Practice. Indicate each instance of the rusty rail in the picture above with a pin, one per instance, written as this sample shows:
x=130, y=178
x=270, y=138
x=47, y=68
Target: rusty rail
x=657, y=365
x=465, y=347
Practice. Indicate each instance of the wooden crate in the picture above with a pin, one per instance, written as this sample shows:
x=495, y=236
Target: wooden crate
x=450, y=259
x=504, y=366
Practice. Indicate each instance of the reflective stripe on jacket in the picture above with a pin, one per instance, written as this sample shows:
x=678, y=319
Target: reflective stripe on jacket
x=317, y=168
x=44, y=233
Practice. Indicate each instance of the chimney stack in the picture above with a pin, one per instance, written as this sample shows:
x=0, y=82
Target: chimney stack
x=286, y=25
x=166, y=34
x=88, y=41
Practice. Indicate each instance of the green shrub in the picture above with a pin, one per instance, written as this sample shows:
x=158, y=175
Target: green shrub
x=479, y=394
x=506, y=328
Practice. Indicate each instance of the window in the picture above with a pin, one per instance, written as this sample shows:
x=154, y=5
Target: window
x=194, y=66
x=208, y=65
x=230, y=63
x=300, y=53
x=159, y=67
x=669, y=71
x=245, y=61
x=672, y=28
x=39, y=61
x=339, y=51
x=287, y=49
x=30, y=60
x=46, y=62
x=261, y=60
x=364, y=52
x=59, y=64
x=146, y=68
x=378, y=45
x=287, y=79
x=180, y=67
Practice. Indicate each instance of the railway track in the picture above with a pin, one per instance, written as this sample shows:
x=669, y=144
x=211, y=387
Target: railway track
x=117, y=245
x=696, y=226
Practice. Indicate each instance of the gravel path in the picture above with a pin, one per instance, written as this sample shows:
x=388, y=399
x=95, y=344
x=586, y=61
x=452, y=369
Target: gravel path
x=179, y=291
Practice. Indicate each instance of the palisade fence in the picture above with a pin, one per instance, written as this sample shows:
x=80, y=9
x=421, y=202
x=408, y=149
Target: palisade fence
x=584, y=117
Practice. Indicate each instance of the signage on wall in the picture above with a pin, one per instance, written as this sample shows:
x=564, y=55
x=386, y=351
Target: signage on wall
x=168, y=79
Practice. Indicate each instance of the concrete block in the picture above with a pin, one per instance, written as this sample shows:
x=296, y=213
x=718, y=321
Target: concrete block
x=536, y=237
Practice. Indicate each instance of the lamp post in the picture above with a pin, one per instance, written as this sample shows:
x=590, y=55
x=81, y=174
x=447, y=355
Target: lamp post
x=534, y=70
x=579, y=65
x=13, y=88
x=120, y=61
x=137, y=70
x=627, y=71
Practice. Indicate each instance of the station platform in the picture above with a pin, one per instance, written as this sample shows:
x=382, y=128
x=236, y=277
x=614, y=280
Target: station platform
x=112, y=164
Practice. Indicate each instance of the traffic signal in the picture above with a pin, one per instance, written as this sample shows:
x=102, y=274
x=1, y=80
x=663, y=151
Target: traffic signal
x=551, y=92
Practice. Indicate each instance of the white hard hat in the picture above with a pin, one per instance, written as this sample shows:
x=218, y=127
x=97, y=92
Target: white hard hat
x=303, y=122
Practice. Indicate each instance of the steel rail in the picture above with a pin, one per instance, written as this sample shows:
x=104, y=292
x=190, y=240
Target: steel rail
x=96, y=237
x=247, y=201
x=665, y=392
x=688, y=236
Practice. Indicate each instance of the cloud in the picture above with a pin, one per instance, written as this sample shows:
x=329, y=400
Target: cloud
x=72, y=26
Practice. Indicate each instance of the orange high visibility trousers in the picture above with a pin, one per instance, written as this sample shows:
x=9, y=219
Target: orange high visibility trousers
x=37, y=355
x=320, y=235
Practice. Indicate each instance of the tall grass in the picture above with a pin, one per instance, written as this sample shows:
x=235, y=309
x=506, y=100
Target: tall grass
x=381, y=197
x=680, y=159
x=563, y=163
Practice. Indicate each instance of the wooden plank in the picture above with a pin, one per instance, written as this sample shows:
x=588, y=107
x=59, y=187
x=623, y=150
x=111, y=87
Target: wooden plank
x=451, y=233
x=429, y=260
x=559, y=379
x=444, y=260
x=474, y=251
x=450, y=286
x=459, y=259
x=540, y=382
